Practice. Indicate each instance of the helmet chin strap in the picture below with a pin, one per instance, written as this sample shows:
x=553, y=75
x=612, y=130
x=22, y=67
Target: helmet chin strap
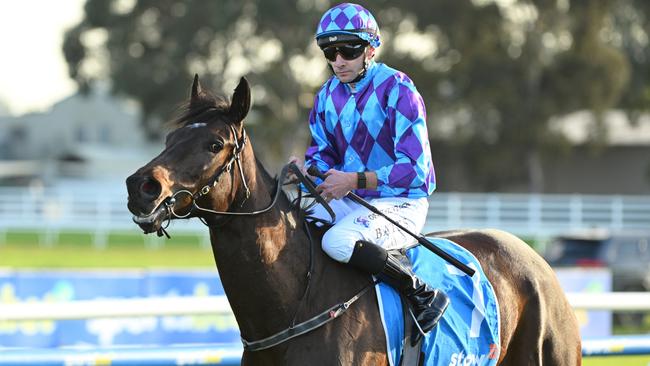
x=363, y=72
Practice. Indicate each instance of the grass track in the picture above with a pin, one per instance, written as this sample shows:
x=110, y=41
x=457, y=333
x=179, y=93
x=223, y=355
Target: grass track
x=641, y=360
x=123, y=250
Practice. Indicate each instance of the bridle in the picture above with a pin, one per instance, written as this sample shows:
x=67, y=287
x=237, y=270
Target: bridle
x=294, y=330
x=235, y=159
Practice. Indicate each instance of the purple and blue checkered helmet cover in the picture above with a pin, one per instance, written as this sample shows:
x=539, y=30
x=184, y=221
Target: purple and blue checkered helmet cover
x=348, y=18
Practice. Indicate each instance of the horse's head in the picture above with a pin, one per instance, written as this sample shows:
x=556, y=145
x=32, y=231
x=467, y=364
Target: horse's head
x=198, y=163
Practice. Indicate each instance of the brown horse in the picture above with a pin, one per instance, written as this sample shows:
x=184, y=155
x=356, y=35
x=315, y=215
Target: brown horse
x=208, y=170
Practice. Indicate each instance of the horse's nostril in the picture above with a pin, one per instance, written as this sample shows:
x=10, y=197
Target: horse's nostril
x=147, y=187
x=150, y=187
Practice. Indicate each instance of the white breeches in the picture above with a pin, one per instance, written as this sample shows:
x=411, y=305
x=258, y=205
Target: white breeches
x=355, y=222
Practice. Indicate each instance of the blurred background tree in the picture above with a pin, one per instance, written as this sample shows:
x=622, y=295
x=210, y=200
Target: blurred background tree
x=495, y=74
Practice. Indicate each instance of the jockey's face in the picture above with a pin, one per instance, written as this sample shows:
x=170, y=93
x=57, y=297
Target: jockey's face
x=346, y=68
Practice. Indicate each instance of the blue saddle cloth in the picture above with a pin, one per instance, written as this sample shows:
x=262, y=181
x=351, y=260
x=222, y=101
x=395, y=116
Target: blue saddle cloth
x=468, y=333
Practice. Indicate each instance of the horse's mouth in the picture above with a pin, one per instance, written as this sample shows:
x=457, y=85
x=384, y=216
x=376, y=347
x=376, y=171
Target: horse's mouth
x=150, y=223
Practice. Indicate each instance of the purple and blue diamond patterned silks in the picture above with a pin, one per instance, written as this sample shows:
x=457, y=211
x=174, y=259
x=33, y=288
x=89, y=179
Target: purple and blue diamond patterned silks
x=379, y=127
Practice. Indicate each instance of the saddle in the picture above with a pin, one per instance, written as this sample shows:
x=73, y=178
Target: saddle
x=467, y=333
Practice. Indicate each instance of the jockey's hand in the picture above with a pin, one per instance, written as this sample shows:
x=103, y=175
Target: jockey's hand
x=337, y=184
x=299, y=163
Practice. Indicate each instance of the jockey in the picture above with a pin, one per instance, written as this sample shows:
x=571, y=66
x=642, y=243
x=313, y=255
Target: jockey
x=369, y=134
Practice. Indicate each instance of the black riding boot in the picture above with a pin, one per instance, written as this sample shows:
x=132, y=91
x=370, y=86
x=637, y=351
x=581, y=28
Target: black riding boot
x=427, y=304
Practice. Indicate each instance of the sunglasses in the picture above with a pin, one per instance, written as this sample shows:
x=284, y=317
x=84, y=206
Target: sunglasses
x=347, y=51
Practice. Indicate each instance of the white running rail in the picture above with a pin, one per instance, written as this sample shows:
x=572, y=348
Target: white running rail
x=103, y=210
x=171, y=306
x=115, y=308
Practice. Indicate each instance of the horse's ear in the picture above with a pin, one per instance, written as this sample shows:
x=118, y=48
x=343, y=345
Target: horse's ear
x=196, y=90
x=241, y=102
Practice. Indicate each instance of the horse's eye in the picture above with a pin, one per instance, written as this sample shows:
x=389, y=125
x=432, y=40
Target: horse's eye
x=215, y=147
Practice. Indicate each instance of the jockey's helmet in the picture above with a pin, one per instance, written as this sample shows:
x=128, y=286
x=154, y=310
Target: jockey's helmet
x=347, y=22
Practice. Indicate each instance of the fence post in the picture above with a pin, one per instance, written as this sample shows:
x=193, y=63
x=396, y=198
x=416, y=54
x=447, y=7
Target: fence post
x=100, y=237
x=493, y=210
x=534, y=214
x=575, y=212
x=617, y=213
x=453, y=210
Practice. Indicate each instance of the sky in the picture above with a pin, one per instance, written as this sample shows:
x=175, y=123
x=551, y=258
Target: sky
x=33, y=72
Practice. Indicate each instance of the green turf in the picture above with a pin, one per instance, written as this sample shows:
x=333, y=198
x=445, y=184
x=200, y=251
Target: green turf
x=641, y=360
x=76, y=257
x=121, y=250
x=130, y=249
x=88, y=238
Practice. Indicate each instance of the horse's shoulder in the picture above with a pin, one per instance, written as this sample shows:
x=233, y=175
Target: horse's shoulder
x=335, y=283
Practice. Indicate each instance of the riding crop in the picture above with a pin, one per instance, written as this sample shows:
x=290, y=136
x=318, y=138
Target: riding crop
x=313, y=170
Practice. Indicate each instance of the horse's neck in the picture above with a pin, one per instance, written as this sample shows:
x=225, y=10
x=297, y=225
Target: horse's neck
x=261, y=262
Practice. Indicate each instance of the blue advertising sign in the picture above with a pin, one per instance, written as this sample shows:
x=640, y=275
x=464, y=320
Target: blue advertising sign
x=62, y=286
x=590, y=280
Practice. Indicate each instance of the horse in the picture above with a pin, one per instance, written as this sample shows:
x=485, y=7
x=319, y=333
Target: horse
x=272, y=277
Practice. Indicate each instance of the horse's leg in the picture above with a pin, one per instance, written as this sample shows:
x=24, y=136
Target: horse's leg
x=545, y=334
x=538, y=326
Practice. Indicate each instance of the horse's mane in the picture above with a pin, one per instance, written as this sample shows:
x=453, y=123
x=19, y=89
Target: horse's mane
x=206, y=108
x=272, y=182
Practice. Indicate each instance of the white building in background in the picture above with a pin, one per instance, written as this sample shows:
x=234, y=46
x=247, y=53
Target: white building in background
x=620, y=167
x=94, y=137
x=620, y=130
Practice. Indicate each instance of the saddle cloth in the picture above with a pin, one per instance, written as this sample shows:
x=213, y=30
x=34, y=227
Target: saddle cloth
x=468, y=333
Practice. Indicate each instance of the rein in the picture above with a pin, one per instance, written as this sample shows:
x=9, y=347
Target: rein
x=294, y=330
